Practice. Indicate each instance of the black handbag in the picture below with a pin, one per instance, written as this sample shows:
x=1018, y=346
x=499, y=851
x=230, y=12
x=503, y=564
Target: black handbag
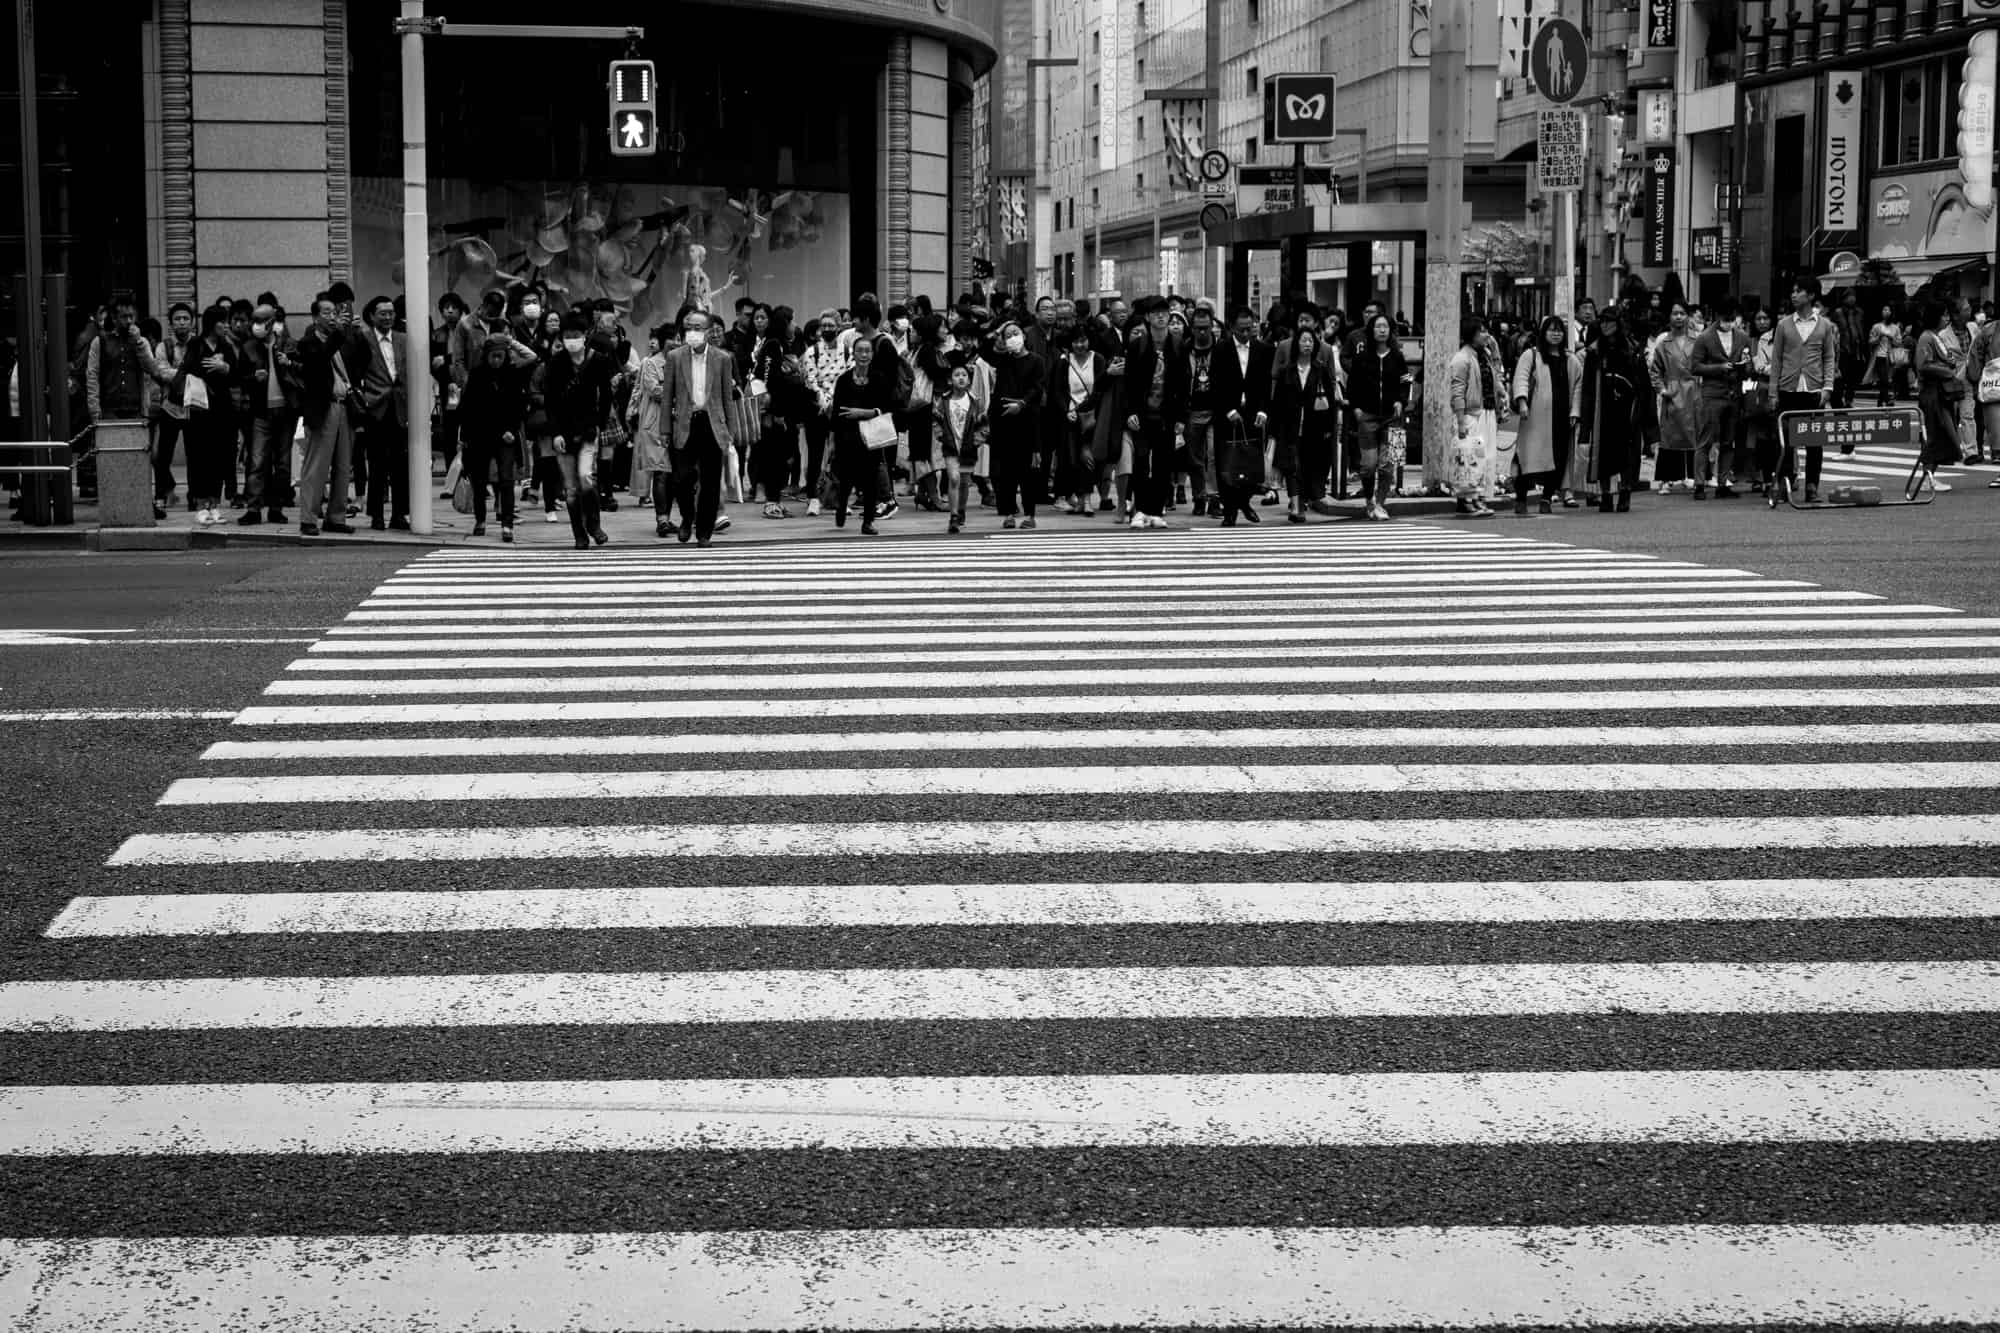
x=1240, y=462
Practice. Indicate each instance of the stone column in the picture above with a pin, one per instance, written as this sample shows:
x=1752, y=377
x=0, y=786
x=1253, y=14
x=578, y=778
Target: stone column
x=964, y=225
x=896, y=173
x=930, y=169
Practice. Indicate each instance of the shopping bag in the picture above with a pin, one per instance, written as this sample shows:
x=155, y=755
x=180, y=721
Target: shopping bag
x=879, y=432
x=1240, y=465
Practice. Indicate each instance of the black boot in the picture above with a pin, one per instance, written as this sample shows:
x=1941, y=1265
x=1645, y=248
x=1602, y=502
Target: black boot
x=1624, y=502
x=592, y=502
x=1604, y=501
x=576, y=527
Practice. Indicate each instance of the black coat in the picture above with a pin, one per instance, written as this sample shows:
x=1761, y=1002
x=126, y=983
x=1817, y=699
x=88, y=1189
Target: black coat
x=1023, y=378
x=1235, y=390
x=1139, y=379
x=576, y=397
x=494, y=403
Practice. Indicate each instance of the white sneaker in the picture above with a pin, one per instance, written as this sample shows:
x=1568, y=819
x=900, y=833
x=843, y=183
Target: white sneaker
x=812, y=509
x=550, y=516
x=722, y=524
x=206, y=518
x=1155, y=521
x=1139, y=521
x=1939, y=486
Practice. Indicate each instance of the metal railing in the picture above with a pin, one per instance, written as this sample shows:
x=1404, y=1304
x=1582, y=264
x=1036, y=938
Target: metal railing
x=48, y=494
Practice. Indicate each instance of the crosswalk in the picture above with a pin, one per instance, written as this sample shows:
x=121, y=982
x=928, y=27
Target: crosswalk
x=1373, y=927
x=1889, y=467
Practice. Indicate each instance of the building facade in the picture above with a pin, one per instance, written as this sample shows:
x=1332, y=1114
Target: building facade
x=801, y=171
x=1112, y=199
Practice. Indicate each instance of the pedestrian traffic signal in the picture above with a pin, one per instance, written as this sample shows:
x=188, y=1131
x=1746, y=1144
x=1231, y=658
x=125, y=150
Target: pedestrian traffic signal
x=635, y=121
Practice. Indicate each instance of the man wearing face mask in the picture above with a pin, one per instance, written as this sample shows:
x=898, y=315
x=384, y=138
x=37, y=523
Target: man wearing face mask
x=699, y=383
x=577, y=397
x=271, y=376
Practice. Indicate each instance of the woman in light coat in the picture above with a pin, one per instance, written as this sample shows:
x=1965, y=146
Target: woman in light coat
x=1679, y=397
x=1548, y=398
x=1476, y=400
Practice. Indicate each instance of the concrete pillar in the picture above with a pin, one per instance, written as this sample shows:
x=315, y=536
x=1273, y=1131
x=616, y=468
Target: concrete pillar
x=258, y=115
x=930, y=157
x=1445, y=241
x=124, y=475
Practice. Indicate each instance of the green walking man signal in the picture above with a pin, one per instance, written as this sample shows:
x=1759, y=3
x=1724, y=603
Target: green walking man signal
x=635, y=123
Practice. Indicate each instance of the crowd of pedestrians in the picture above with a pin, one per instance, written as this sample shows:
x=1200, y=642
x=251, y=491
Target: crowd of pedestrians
x=1132, y=411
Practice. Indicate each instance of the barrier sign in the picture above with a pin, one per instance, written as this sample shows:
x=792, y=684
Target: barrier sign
x=1559, y=150
x=1885, y=427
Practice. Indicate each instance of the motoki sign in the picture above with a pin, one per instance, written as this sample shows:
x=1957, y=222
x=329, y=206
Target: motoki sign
x=1298, y=108
x=1659, y=243
x=1841, y=167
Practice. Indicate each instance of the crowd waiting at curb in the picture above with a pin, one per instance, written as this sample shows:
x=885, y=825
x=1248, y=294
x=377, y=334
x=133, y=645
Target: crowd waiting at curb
x=1128, y=410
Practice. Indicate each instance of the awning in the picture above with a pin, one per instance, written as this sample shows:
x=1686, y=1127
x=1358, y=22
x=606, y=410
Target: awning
x=1914, y=273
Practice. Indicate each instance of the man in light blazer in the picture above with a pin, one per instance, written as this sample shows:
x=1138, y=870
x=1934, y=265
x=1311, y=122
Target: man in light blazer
x=699, y=383
x=382, y=417
x=1721, y=361
x=1805, y=361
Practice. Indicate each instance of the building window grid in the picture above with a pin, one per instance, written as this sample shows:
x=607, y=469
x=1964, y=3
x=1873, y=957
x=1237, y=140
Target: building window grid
x=1917, y=110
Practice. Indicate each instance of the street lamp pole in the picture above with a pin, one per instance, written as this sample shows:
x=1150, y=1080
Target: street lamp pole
x=416, y=263
x=34, y=359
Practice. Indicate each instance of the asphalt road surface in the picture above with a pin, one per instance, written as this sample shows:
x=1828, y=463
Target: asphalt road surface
x=1579, y=922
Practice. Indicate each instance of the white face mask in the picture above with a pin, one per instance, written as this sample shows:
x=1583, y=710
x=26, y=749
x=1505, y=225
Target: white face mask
x=531, y=311
x=697, y=338
x=1016, y=344
x=572, y=345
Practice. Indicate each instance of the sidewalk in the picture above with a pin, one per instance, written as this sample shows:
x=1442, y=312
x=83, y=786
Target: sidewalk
x=631, y=525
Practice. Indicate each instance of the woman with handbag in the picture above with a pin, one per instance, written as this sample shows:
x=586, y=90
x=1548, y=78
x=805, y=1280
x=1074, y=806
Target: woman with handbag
x=1302, y=406
x=208, y=372
x=1940, y=365
x=864, y=407
x=1020, y=385
x=930, y=380
x=1378, y=387
x=1078, y=400
x=1475, y=408
x=1548, y=401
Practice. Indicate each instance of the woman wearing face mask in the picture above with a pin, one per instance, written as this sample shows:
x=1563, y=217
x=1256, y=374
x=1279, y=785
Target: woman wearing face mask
x=825, y=362
x=863, y=394
x=1677, y=393
x=1475, y=408
x=545, y=337
x=1302, y=410
x=1020, y=385
x=212, y=431
x=1548, y=399
x=577, y=391
x=1075, y=406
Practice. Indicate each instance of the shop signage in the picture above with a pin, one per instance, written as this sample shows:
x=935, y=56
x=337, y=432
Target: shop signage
x=1269, y=189
x=1841, y=165
x=1110, y=79
x=1558, y=60
x=1975, y=120
x=1846, y=264
x=1925, y=215
x=1662, y=22
x=1656, y=115
x=1705, y=247
x=1559, y=150
x=1659, y=243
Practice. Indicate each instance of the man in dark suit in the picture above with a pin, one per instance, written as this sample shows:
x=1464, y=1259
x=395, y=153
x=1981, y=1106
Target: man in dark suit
x=382, y=406
x=1721, y=361
x=1242, y=394
x=699, y=382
